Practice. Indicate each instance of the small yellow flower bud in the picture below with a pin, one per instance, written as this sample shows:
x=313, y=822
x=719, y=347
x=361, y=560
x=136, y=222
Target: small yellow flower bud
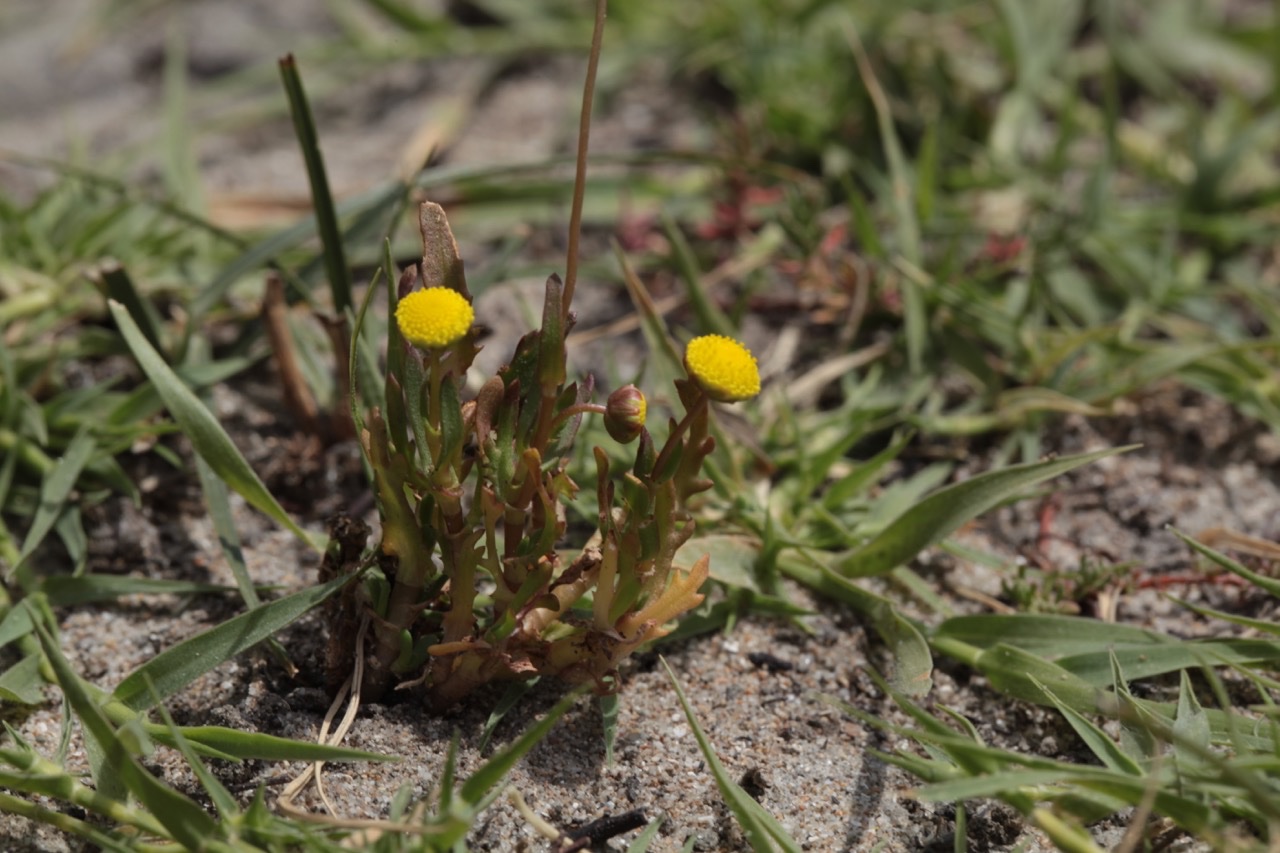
x=624, y=414
x=434, y=318
x=723, y=368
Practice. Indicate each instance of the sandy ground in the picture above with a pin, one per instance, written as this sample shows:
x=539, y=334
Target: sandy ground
x=1202, y=467
x=809, y=762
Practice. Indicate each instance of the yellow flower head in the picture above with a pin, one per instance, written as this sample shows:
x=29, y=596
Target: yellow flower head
x=724, y=368
x=434, y=318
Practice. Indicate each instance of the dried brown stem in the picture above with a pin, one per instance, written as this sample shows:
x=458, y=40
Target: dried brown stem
x=297, y=397
x=580, y=175
x=341, y=426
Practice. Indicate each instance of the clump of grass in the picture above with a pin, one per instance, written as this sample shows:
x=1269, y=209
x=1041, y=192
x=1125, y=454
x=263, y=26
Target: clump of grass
x=1210, y=772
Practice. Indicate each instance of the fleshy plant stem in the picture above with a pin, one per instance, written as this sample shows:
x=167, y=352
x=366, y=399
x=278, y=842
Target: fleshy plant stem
x=698, y=409
x=578, y=409
x=435, y=376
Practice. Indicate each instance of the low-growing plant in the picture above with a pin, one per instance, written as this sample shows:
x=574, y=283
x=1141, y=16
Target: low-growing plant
x=471, y=585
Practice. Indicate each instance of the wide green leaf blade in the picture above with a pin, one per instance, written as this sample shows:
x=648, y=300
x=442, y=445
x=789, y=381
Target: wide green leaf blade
x=1020, y=674
x=1147, y=661
x=208, y=438
x=1045, y=634
x=912, y=661
x=944, y=511
x=21, y=683
x=176, y=667
x=14, y=625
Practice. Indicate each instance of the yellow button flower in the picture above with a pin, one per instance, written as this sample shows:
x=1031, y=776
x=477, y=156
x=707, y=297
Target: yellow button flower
x=434, y=318
x=724, y=368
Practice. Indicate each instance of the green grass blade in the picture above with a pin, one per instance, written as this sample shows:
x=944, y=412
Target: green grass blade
x=511, y=697
x=116, y=283
x=609, y=707
x=216, y=499
x=406, y=17
x=484, y=780
x=201, y=427
x=235, y=744
x=363, y=377
x=251, y=261
x=67, y=591
x=182, y=171
x=65, y=823
x=902, y=202
x=861, y=478
x=761, y=828
x=1271, y=585
x=70, y=530
x=1190, y=725
x=711, y=320
x=944, y=511
x=54, y=492
x=221, y=798
x=176, y=667
x=22, y=683
x=15, y=625
x=1061, y=780
x=664, y=352
x=912, y=661
x=448, y=773
x=335, y=261
x=1264, y=626
x=645, y=838
x=186, y=821
x=1099, y=743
